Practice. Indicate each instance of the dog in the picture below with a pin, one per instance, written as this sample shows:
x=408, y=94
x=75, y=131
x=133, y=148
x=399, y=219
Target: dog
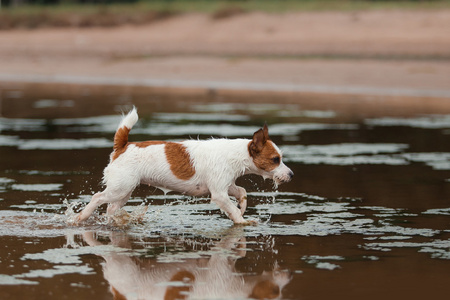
x=192, y=167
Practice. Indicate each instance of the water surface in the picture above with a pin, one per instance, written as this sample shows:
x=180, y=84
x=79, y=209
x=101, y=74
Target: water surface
x=367, y=214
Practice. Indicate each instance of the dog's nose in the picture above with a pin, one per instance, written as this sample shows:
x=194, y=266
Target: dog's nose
x=291, y=174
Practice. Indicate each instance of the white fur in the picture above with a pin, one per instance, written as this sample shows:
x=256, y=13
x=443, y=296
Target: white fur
x=217, y=163
x=130, y=119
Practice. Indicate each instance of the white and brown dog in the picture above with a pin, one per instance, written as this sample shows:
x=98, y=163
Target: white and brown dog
x=192, y=167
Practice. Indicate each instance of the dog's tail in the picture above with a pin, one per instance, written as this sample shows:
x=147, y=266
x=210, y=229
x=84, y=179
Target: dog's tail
x=121, y=136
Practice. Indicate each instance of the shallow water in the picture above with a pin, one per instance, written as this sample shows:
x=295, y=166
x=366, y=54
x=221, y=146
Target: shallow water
x=367, y=214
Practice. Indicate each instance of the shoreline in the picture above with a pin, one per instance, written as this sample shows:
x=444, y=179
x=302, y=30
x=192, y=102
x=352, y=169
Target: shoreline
x=253, y=52
x=112, y=99
x=203, y=86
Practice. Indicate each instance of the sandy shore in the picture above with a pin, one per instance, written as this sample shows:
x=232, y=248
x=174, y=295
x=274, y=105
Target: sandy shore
x=375, y=52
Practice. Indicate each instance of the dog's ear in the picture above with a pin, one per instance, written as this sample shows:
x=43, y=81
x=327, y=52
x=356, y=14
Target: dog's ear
x=260, y=138
x=266, y=132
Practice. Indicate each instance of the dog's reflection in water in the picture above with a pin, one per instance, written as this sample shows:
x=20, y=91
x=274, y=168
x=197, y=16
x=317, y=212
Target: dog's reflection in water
x=209, y=277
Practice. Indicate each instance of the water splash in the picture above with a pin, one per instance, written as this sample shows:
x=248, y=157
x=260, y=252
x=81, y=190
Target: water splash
x=70, y=213
x=122, y=218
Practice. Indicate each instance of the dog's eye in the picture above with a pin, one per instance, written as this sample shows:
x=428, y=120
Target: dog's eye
x=276, y=160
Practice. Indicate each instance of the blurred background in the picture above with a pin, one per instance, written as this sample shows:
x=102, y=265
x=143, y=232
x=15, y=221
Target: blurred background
x=342, y=46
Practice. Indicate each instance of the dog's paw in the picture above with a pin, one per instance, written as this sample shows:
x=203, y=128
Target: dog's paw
x=74, y=220
x=120, y=218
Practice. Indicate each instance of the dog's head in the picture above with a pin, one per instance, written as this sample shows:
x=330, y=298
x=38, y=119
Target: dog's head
x=268, y=158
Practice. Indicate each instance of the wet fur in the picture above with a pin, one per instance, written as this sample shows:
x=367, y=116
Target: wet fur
x=192, y=167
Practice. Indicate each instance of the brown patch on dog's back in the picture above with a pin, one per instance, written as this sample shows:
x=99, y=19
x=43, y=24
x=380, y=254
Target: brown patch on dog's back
x=147, y=143
x=122, y=143
x=179, y=160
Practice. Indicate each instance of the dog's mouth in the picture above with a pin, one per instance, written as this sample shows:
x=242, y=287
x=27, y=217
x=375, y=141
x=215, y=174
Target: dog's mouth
x=280, y=178
x=284, y=178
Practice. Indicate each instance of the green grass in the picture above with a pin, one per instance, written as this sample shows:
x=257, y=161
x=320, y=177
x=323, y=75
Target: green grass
x=276, y=6
x=212, y=6
x=147, y=11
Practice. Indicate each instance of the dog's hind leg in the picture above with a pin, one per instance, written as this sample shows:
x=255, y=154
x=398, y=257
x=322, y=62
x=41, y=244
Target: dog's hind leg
x=114, y=197
x=241, y=196
x=97, y=200
x=114, y=206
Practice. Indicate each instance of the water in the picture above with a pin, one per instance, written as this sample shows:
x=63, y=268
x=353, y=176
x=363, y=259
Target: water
x=367, y=214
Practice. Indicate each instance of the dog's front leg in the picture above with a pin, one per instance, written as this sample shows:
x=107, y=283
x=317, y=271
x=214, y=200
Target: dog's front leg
x=223, y=201
x=241, y=196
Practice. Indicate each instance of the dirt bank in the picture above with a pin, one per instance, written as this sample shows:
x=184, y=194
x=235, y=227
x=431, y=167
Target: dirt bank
x=406, y=52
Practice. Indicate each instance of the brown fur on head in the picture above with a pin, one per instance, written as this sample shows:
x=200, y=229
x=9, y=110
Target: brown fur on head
x=265, y=155
x=260, y=138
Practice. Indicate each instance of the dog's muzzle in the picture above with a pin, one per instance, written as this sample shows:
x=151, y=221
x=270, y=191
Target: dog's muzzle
x=283, y=175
